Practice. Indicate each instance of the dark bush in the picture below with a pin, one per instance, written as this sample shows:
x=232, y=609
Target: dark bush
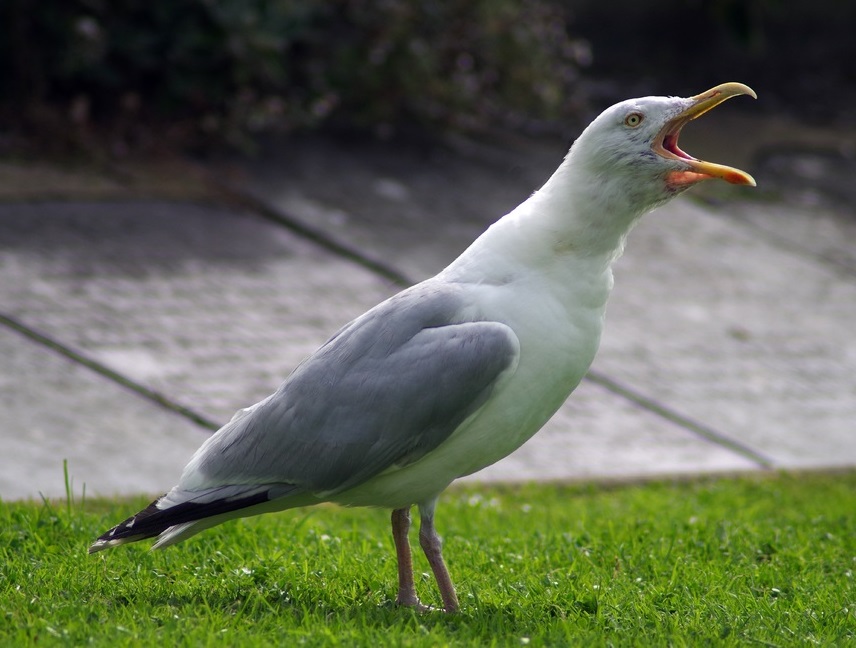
x=196, y=70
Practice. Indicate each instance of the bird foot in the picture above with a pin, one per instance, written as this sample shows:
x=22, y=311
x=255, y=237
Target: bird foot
x=412, y=602
x=418, y=606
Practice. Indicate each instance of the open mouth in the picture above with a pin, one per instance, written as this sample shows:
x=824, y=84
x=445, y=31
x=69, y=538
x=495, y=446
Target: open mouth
x=670, y=142
x=666, y=143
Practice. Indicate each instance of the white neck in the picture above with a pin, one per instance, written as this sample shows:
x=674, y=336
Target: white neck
x=578, y=218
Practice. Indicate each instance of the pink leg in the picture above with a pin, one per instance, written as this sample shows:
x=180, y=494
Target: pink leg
x=432, y=546
x=406, y=588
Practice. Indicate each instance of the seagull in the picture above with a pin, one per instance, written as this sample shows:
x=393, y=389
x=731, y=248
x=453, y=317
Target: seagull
x=453, y=373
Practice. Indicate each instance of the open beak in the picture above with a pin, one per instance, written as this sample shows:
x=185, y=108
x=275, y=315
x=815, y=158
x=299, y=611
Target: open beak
x=666, y=142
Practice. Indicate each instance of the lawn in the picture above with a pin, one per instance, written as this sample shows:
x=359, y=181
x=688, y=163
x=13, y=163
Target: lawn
x=750, y=561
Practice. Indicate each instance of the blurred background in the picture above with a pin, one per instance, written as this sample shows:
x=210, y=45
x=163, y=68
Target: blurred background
x=114, y=80
x=124, y=75
x=195, y=194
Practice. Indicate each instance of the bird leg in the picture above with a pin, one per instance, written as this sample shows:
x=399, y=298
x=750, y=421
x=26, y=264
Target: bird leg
x=432, y=546
x=406, y=587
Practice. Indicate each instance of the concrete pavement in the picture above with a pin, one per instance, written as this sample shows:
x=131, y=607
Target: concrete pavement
x=129, y=327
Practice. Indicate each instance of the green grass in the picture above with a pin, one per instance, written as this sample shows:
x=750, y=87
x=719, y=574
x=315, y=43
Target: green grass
x=753, y=561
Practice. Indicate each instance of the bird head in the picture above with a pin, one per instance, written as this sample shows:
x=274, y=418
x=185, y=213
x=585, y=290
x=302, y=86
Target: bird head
x=639, y=137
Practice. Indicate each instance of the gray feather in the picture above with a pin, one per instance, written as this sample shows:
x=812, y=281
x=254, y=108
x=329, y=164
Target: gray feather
x=385, y=390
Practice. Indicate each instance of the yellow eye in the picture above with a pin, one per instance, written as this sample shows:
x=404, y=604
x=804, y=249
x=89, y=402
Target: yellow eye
x=633, y=120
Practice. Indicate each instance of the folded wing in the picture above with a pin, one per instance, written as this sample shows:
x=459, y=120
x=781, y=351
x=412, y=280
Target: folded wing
x=388, y=388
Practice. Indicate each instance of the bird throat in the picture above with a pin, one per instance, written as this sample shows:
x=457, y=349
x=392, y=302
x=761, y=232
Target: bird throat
x=684, y=179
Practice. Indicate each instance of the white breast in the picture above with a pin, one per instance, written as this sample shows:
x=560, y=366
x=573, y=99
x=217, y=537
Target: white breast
x=558, y=327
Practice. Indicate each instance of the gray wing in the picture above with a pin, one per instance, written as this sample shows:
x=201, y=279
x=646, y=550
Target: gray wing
x=387, y=389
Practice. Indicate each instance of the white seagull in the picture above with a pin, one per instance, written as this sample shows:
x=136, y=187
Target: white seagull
x=454, y=373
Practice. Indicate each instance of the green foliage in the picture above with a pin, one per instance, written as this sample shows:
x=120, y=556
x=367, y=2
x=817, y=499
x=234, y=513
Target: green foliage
x=231, y=67
x=765, y=561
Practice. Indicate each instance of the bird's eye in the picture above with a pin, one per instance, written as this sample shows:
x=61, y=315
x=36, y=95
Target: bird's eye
x=633, y=120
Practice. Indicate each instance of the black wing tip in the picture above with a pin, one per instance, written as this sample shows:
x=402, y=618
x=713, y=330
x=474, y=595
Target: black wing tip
x=105, y=542
x=129, y=531
x=152, y=521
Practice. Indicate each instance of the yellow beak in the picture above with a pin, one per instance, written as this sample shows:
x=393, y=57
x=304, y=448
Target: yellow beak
x=666, y=142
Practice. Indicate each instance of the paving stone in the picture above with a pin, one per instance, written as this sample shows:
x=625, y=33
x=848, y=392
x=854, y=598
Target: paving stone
x=729, y=328
x=206, y=306
x=818, y=231
x=53, y=409
x=417, y=208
